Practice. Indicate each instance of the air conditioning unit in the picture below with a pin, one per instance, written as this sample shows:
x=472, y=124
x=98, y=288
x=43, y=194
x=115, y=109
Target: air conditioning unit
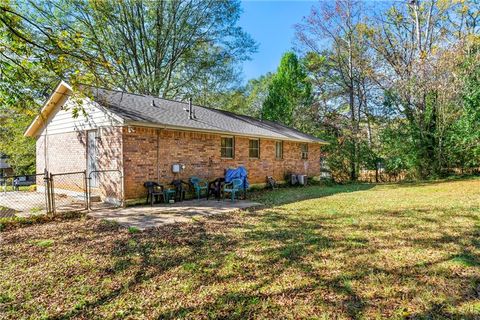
x=293, y=179
x=302, y=179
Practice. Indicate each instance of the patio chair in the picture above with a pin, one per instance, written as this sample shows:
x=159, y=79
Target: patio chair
x=155, y=191
x=180, y=190
x=234, y=187
x=271, y=182
x=215, y=188
x=199, y=185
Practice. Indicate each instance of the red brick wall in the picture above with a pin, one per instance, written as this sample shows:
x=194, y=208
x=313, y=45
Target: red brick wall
x=148, y=154
x=109, y=149
x=67, y=152
x=109, y=157
x=200, y=153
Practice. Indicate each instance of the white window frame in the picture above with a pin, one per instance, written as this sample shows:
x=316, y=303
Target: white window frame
x=226, y=148
x=250, y=148
x=304, y=153
x=281, y=150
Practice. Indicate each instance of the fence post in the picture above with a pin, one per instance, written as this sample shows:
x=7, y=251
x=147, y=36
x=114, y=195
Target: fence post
x=52, y=193
x=87, y=195
x=89, y=191
x=46, y=187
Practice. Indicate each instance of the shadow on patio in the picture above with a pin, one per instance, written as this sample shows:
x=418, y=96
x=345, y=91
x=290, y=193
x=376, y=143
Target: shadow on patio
x=144, y=217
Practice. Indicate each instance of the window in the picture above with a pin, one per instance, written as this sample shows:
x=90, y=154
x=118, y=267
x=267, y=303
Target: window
x=227, y=148
x=254, y=148
x=279, y=149
x=304, y=147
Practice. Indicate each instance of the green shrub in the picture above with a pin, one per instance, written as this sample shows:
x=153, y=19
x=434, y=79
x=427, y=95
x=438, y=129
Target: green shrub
x=133, y=230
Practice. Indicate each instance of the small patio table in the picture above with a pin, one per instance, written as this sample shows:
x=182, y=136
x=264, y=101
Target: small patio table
x=169, y=194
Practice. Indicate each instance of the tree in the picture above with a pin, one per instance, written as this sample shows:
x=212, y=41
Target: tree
x=336, y=53
x=409, y=42
x=23, y=83
x=288, y=91
x=463, y=136
x=171, y=49
x=247, y=100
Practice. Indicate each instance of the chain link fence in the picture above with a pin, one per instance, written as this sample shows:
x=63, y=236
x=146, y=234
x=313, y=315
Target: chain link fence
x=21, y=195
x=44, y=193
x=105, y=189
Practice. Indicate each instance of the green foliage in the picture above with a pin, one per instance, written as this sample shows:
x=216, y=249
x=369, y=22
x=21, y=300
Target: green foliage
x=19, y=149
x=171, y=49
x=288, y=91
x=247, y=100
x=44, y=243
x=133, y=230
x=464, y=135
x=369, y=87
x=23, y=80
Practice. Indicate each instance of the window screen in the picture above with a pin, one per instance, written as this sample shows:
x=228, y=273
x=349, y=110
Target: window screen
x=227, y=147
x=254, y=148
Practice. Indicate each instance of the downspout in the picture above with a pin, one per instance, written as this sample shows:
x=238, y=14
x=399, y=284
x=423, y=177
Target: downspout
x=122, y=165
x=45, y=146
x=158, y=155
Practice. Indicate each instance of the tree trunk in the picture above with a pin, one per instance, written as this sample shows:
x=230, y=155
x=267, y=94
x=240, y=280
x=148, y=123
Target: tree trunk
x=353, y=173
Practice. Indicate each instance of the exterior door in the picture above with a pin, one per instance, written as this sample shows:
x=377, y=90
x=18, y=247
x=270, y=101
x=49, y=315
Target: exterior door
x=92, y=164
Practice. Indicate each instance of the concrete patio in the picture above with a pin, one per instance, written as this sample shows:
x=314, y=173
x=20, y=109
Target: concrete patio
x=144, y=217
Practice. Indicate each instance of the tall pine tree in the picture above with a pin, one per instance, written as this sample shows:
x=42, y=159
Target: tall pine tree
x=288, y=91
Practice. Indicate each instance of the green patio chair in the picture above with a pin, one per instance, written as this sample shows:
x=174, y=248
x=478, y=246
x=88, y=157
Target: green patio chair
x=234, y=187
x=199, y=185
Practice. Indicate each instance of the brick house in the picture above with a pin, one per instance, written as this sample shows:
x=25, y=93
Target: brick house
x=144, y=136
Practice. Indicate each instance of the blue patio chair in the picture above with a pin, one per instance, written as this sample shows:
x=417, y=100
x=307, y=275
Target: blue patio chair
x=234, y=187
x=199, y=185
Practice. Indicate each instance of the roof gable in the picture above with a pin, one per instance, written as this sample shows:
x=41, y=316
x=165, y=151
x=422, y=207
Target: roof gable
x=56, y=115
x=61, y=92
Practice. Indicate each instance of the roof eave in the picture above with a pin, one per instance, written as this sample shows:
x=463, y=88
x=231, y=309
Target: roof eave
x=60, y=90
x=166, y=126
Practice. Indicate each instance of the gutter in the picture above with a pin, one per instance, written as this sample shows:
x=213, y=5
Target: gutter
x=189, y=129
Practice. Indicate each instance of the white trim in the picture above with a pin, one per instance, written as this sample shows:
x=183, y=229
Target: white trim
x=233, y=146
x=47, y=108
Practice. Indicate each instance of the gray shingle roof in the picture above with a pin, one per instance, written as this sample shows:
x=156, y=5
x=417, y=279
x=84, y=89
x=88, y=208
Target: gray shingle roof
x=150, y=110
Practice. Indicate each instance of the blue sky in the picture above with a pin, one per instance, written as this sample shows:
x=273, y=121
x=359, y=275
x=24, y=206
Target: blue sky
x=271, y=24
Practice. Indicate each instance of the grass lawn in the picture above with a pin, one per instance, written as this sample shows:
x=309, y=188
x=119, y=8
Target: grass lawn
x=362, y=252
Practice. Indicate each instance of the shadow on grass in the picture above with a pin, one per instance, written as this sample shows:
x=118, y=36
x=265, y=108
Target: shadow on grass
x=295, y=257
x=209, y=252
x=426, y=183
x=281, y=196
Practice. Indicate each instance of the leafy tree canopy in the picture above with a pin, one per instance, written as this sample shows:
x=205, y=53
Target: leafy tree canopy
x=288, y=90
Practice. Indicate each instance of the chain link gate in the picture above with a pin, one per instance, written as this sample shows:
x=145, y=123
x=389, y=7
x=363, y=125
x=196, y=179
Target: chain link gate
x=105, y=189
x=68, y=192
x=50, y=193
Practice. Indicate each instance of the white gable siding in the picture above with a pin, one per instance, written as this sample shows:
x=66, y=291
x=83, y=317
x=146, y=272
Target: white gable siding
x=62, y=120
